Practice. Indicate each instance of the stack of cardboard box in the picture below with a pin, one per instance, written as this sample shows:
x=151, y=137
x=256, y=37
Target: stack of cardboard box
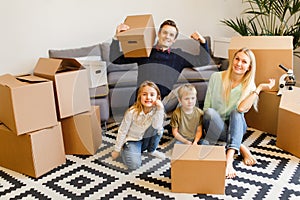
x=30, y=136
x=45, y=116
x=80, y=122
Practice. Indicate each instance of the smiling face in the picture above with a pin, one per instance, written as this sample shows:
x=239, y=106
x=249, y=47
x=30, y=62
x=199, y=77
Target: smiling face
x=241, y=63
x=167, y=36
x=148, y=97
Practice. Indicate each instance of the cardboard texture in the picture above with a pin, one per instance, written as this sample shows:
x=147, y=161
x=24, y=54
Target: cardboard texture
x=33, y=154
x=198, y=169
x=26, y=103
x=82, y=132
x=270, y=51
x=71, y=84
x=288, y=137
x=265, y=119
x=139, y=39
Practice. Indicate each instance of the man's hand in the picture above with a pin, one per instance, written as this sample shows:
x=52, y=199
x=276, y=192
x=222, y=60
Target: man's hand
x=198, y=37
x=122, y=27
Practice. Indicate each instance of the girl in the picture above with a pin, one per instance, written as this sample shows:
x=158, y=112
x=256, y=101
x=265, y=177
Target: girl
x=141, y=127
x=230, y=94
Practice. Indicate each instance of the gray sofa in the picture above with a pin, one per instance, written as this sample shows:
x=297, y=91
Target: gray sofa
x=113, y=98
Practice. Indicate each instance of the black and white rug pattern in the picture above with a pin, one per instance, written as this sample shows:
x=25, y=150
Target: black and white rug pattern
x=276, y=176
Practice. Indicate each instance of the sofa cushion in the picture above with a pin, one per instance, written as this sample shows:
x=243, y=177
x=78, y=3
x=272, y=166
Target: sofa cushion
x=191, y=75
x=191, y=46
x=121, y=67
x=93, y=50
x=122, y=79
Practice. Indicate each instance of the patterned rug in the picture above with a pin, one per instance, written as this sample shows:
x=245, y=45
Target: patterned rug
x=276, y=176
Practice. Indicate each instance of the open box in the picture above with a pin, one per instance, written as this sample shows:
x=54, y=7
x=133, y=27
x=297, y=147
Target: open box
x=139, y=39
x=26, y=103
x=71, y=84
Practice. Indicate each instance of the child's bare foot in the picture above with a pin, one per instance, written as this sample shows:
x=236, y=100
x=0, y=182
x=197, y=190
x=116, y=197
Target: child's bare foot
x=249, y=159
x=230, y=171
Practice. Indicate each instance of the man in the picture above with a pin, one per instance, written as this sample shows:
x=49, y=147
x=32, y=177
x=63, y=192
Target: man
x=164, y=64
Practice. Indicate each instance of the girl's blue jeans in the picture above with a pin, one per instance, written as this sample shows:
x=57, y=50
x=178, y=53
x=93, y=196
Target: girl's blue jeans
x=231, y=131
x=132, y=150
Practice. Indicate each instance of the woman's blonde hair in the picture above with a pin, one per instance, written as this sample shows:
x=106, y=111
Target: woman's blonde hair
x=137, y=106
x=248, y=80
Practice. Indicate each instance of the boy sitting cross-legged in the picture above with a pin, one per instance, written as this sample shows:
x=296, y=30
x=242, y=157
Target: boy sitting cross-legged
x=186, y=120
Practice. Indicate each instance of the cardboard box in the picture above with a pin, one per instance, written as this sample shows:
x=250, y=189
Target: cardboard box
x=82, y=132
x=198, y=169
x=288, y=137
x=70, y=84
x=97, y=72
x=26, y=103
x=265, y=119
x=33, y=154
x=139, y=39
x=270, y=51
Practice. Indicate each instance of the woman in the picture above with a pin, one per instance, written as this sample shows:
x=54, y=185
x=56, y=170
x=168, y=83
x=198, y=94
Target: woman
x=230, y=94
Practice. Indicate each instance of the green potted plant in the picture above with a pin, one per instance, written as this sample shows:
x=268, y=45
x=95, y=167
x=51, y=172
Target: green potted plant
x=269, y=17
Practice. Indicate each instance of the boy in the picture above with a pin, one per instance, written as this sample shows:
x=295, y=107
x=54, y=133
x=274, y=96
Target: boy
x=186, y=120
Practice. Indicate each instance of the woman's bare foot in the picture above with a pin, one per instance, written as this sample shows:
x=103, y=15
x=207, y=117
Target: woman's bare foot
x=249, y=159
x=230, y=171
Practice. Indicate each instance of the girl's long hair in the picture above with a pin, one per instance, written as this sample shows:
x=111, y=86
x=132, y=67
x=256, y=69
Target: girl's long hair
x=248, y=81
x=137, y=106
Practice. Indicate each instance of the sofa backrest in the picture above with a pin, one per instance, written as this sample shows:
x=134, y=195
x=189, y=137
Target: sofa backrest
x=191, y=46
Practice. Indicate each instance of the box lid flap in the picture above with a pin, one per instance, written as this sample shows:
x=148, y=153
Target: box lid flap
x=50, y=66
x=31, y=79
x=10, y=81
x=198, y=152
x=261, y=42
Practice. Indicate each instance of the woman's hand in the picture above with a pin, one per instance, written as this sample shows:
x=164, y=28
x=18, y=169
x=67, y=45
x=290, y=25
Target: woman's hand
x=267, y=86
x=198, y=37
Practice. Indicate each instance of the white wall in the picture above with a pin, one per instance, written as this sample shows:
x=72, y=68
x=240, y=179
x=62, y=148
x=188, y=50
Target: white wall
x=29, y=28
